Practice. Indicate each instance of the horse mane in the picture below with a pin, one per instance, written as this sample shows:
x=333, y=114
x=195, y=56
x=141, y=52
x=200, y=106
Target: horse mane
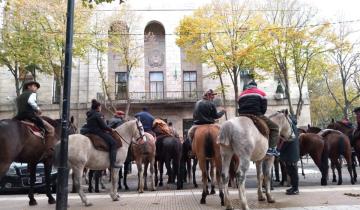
x=326, y=132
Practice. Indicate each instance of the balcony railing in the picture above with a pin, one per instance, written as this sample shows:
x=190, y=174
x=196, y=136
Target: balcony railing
x=168, y=96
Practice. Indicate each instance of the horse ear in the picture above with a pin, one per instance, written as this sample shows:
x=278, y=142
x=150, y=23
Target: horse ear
x=332, y=120
x=72, y=119
x=286, y=112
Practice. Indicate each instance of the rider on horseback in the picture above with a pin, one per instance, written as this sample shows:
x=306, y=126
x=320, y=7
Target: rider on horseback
x=253, y=101
x=28, y=109
x=205, y=112
x=95, y=125
x=117, y=120
x=146, y=119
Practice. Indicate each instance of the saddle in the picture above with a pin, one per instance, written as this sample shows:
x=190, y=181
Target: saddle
x=259, y=123
x=100, y=144
x=33, y=129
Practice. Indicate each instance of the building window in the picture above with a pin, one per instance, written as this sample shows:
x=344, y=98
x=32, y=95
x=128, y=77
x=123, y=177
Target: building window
x=190, y=81
x=120, y=85
x=156, y=85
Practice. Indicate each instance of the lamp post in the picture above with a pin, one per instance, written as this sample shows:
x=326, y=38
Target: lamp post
x=62, y=184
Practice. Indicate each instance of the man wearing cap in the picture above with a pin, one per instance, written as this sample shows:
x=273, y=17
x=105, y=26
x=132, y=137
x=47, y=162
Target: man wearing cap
x=146, y=119
x=253, y=101
x=27, y=108
x=117, y=119
x=205, y=112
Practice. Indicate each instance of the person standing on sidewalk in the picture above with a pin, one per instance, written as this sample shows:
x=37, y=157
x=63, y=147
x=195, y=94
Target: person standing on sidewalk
x=290, y=154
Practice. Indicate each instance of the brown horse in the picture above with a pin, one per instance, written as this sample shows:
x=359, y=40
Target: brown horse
x=350, y=132
x=18, y=144
x=205, y=147
x=144, y=153
x=339, y=145
x=315, y=146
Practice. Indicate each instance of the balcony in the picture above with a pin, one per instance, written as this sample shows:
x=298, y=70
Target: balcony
x=158, y=97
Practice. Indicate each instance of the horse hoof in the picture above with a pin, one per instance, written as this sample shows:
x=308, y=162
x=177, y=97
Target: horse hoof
x=334, y=180
x=88, y=204
x=352, y=182
x=141, y=191
x=195, y=185
x=271, y=201
x=202, y=201
x=161, y=184
x=339, y=183
x=51, y=201
x=32, y=202
x=97, y=191
x=153, y=189
x=212, y=192
x=222, y=203
x=126, y=188
x=229, y=208
x=261, y=199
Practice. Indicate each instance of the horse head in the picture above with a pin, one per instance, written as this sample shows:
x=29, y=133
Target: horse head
x=282, y=119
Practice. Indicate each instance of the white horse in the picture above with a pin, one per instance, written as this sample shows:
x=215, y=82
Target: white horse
x=82, y=154
x=240, y=136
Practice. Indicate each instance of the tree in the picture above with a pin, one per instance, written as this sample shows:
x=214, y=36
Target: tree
x=222, y=35
x=293, y=47
x=20, y=43
x=345, y=58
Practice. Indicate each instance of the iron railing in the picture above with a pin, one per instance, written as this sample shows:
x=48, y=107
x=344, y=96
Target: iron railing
x=166, y=96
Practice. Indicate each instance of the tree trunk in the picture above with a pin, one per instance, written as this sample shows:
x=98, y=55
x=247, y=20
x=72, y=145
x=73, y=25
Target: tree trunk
x=287, y=91
x=16, y=77
x=128, y=102
x=223, y=92
x=236, y=90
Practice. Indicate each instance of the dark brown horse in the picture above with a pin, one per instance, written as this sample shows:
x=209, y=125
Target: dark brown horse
x=349, y=131
x=339, y=145
x=314, y=145
x=205, y=147
x=18, y=144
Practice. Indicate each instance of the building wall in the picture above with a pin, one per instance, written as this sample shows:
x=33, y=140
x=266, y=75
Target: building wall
x=86, y=83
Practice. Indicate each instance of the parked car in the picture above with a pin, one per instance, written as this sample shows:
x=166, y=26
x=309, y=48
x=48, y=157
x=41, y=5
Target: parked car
x=17, y=179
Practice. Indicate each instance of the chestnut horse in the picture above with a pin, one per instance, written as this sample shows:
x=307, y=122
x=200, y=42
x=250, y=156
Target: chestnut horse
x=205, y=147
x=18, y=144
x=339, y=145
x=315, y=146
x=143, y=152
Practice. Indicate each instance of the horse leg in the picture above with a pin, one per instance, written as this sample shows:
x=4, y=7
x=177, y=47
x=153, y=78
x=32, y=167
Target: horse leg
x=241, y=176
x=338, y=168
x=276, y=169
x=140, y=176
x=32, y=169
x=212, y=178
x=283, y=173
x=177, y=172
x=156, y=172
x=97, y=180
x=161, y=168
x=126, y=171
x=260, y=178
x=194, y=172
x=73, y=190
x=188, y=169
x=4, y=167
x=114, y=180
x=146, y=165
x=90, y=175
x=169, y=170
x=77, y=172
x=47, y=167
x=333, y=171
x=120, y=176
x=152, y=168
x=351, y=166
x=226, y=154
x=202, y=164
x=266, y=168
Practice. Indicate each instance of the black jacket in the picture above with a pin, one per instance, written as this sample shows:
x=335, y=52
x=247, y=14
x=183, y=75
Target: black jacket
x=290, y=151
x=205, y=112
x=95, y=122
x=252, y=101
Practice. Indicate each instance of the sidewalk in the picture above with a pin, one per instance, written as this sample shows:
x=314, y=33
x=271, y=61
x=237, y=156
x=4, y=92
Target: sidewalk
x=331, y=197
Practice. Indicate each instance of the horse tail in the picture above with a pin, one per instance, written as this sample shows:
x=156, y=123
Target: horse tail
x=324, y=159
x=209, y=149
x=341, y=146
x=56, y=157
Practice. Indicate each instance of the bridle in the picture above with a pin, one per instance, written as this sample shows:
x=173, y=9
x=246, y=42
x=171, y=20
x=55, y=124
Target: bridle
x=140, y=128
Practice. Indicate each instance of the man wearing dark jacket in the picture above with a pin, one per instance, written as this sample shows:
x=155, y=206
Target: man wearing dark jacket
x=253, y=101
x=117, y=120
x=205, y=112
x=290, y=155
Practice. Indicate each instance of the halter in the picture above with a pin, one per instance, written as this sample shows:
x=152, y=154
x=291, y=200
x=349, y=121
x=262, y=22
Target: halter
x=139, y=129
